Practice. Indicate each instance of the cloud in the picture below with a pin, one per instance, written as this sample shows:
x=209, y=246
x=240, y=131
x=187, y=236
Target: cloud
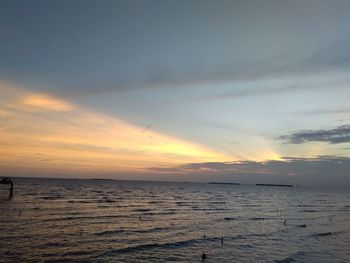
x=340, y=134
x=333, y=60
x=325, y=111
x=240, y=93
x=318, y=171
x=45, y=102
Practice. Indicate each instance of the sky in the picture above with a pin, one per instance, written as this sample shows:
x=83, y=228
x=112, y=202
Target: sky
x=249, y=91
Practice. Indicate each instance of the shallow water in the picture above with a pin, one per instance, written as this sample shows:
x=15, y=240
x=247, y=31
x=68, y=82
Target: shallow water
x=59, y=220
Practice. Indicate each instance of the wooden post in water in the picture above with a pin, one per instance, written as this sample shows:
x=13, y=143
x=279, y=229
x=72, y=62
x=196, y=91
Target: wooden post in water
x=11, y=190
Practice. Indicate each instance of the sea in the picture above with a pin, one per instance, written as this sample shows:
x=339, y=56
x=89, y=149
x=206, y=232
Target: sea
x=74, y=220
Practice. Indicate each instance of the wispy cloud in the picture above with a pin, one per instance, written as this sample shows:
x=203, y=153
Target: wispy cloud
x=45, y=102
x=280, y=65
x=240, y=93
x=340, y=134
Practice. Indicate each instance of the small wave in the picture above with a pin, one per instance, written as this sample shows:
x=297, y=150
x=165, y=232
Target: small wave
x=143, y=247
x=155, y=229
x=79, y=253
x=246, y=245
x=159, y=213
x=68, y=218
x=108, y=201
x=217, y=202
x=325, y=234
x=183, y=203
x=104, y=206
x=130, y=231
x=51, y=244
x=142, y=210
x=52, y=197
x=82, y=201
x=343, y=209
x=302, y=225
x=230, y=218
x=251, y=218
x=16, y=237
x=292, y=258
x=259, y=235
x=210, y=209
x=238, y=237
x=54, y=244
x=109, y=232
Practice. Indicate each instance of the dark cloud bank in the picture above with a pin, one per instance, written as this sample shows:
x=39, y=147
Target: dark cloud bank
x=322, y=171
x=340, y=134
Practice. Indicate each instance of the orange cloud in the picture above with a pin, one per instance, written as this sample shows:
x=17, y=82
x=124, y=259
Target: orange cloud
x=42, y=101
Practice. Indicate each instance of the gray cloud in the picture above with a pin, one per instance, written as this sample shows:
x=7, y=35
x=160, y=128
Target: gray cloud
x=325, y=111
x=102, y=48
x=240, y=93
x=318, y=171
x=340, y=134
x=282, y=65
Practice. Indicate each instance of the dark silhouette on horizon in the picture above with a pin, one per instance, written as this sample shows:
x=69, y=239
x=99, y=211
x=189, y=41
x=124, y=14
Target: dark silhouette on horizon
x=7, y=180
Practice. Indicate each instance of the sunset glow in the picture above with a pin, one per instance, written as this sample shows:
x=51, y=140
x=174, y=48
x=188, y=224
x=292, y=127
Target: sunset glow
x=44, y=132
x=130, y=90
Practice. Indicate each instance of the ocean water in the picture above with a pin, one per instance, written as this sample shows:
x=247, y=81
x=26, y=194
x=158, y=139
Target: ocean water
x=59, y=220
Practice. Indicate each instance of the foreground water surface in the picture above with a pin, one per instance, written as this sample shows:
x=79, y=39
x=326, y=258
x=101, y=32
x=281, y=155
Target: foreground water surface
x=66, y=220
